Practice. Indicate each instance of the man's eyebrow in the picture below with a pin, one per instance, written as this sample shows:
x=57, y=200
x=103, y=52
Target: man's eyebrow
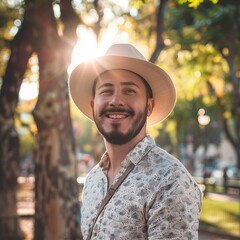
x=105, y=85
x=129, y=84
x=122, y=83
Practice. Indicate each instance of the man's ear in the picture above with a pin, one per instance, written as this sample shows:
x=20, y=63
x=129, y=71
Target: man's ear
x=92, y=104
x=151, y=104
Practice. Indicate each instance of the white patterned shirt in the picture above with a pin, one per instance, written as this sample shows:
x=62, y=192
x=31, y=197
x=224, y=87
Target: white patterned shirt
x=158, y=200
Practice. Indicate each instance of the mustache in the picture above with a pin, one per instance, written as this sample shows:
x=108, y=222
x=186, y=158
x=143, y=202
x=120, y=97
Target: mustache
x=116, y=110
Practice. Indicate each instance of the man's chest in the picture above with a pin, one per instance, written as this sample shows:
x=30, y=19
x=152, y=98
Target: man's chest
x=124, y=214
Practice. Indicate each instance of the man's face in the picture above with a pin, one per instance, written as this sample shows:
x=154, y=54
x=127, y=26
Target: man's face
x=120, y=106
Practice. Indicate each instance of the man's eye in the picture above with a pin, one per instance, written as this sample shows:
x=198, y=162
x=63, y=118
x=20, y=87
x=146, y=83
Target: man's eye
x=130, y=91
x=106, y=91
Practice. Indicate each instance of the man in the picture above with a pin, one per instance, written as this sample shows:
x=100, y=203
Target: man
x=123, y=94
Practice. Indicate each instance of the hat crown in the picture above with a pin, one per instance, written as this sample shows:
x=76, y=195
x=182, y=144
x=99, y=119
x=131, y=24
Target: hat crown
x=124, y=50
x=127, y=57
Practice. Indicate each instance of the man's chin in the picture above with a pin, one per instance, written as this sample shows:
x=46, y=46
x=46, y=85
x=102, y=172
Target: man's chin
x=121, y=133
x=117, y=138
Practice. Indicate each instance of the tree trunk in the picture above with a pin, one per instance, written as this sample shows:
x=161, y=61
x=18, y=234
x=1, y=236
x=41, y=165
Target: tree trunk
x=159, y=31
x=21, y=50
x=56, y=186
x=56, y=192
x=231, y=58
x=235, y=140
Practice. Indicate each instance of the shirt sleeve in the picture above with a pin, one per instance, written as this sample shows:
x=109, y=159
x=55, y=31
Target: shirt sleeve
x=174, y=210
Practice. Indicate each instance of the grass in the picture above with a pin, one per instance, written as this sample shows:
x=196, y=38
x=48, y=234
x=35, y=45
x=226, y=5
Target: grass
x=221, y=216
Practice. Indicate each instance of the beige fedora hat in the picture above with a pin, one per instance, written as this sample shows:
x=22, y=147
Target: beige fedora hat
x=126, y=57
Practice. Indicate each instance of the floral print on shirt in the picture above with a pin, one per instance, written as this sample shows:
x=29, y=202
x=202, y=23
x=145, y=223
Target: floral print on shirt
x=158, y=200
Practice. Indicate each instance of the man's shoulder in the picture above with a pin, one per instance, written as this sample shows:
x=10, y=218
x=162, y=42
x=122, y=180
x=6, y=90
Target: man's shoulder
x=161, y=157
x=94, y=173
x=165, y=164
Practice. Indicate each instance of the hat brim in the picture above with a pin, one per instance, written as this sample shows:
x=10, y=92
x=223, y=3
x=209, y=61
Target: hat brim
x=83, y=76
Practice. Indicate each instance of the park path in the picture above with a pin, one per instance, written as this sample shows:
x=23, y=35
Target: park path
x=205, y=235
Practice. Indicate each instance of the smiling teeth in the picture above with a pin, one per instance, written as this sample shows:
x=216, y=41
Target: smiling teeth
x=115, y=116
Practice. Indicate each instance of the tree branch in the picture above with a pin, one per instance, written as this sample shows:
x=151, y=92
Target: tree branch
x=159, y=30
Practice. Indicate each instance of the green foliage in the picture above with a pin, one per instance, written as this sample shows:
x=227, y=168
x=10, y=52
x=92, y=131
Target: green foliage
x=83, y=131
x=206, y=25
x=8, y=16
x=27, y=142
x=26, y=135
x=139, y=4
x=206, y=38
x=140, y=19
x=220, y=215
x=9, y=19
x=195, y=3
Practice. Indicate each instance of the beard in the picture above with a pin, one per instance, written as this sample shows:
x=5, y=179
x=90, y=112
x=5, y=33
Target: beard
x=115, y=136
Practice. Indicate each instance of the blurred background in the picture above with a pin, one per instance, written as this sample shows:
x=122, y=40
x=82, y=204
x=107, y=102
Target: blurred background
x=47, y=147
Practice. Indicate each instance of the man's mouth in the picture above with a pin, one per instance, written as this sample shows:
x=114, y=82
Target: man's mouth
x=116, y=113
x=117, y=116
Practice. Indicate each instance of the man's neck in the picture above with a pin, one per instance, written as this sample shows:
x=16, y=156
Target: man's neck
x=117, y=153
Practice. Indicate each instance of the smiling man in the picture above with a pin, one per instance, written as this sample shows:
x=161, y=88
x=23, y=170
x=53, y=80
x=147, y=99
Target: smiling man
x=121, y=106
x=138, y=190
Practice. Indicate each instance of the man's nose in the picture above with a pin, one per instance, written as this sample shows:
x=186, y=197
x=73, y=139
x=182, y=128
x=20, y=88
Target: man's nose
x=116, y=99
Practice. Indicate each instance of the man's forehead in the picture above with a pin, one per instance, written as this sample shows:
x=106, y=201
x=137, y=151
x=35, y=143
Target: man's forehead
x=101, y=83
x=126, y=77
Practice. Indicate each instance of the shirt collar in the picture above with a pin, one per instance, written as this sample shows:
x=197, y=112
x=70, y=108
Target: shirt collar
x=134, y=156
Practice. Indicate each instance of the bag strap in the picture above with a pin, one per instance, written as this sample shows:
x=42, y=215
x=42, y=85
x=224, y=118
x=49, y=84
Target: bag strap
x=109, y=195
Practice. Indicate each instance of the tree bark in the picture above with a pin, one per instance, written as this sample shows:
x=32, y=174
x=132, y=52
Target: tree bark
x=159, y=31
x=56, y=187
x=21, y=50
x=231, y=59
x=56, y=190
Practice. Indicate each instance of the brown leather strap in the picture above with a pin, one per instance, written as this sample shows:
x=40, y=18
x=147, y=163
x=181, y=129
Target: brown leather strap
x=109, y=195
